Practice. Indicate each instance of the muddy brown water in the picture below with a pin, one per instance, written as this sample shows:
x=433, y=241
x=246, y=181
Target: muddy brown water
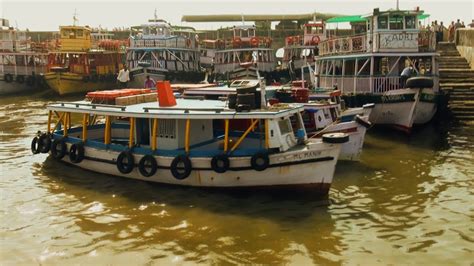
x=408, y=201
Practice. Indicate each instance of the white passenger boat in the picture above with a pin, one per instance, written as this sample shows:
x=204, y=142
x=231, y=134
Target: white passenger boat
x=322, y=110
x=191, y=142
x=162, y=51
x=240, y=56
x=367, y=67
x=21, y=65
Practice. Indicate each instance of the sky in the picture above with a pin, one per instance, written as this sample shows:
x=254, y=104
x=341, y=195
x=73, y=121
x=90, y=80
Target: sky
x=47, y=15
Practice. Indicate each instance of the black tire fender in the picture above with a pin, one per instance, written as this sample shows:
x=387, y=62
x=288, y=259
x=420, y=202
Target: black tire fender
x=8, y=78
x=187, y=167
x=125, y=167
x=260, y=161
x=35, y=145
x=58, y=149
x=44, y=143
x=335, y=137
x=220, y=163
x=147, y=161
x=419, y=82
x=76, y=152
x=363, y=122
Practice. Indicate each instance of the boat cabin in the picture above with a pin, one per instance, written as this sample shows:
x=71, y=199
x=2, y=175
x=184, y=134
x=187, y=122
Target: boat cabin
x=75, y=38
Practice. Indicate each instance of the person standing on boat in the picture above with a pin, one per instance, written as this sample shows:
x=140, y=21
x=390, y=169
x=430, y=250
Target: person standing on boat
x=123, y=77
x=291, y=68
x=149, y=83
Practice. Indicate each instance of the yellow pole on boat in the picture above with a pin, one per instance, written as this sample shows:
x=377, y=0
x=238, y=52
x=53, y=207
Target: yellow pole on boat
x=153, y=134
x=50, y=114
x=244, y=135
x=61, y=117
x=186, y=137
x=66, y=123
x=107, y=130
x=226, y=135
x=132, y=131
x=84, y=126
x=267, y=136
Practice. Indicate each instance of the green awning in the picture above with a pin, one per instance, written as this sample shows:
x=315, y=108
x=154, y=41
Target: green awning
x=423, y=16
x=357, y=18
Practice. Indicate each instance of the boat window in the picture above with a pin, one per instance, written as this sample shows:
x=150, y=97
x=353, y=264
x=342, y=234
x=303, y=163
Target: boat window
x=285, y=126
x=65, y=33
x=410, y=22
x=382, y=22
x=396, y=22
x=79, y=33
x=245, y=33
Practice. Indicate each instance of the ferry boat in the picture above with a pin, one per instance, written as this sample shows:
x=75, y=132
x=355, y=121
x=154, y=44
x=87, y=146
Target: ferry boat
x=367, y=67
x=201, y=143
x=80, y=64
x=162, y=51
x=21, y=65
x=240, y=56
x=304, y=48
x=322, y=111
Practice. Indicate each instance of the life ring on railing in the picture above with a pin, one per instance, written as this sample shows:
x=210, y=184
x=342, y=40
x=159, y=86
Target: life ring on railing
x=20, y=79
x=363, y=122
x=181, y=167
x=147, y=165
x=237, y=42
x=35, y=145
x=260, y=161
x=220, y=163
x=125, y=162
x=289, y=40
x=254, y=42
x=58, y=149
x=8, y=78
x=76, y=152
x=188, y=43
x=315, y=40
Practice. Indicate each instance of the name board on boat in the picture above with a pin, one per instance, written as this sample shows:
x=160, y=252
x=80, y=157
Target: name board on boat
x=400, y=40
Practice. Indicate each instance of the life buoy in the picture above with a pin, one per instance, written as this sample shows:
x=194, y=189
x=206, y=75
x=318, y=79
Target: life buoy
x=335, y=138
x=125, y=162
x=181, y=167
x=363, y=122
x=147, y=165
x=44, y=142
x=188, y=43
x=30, y=81
x=8, y=78
x=254, y=42
x=76, y=152
x=289, y=40
x=315, y=40
x=35, y=145
x=237, y=42
x=58, y=149
x=260, y=161
x=20, y=79
x=220, y=163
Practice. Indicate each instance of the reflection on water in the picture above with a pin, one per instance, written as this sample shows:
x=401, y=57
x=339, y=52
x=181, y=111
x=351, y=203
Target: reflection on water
x=408, y=201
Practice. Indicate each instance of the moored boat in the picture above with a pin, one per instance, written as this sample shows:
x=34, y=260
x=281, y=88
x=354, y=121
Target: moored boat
x=80, y=65
x=190, y=142
x=21, y=65
x=367, y=67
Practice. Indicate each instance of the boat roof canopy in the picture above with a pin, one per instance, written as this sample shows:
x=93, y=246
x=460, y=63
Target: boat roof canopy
x=363, y=18
x=185, y=109
x=355, y=18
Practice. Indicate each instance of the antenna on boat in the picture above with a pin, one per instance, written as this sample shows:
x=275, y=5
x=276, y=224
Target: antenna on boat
x=398, y=4
x=156, y=16
x=243, y=22
x=74, y=17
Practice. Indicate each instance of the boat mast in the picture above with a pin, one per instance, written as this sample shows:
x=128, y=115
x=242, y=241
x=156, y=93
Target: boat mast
x=74, y=17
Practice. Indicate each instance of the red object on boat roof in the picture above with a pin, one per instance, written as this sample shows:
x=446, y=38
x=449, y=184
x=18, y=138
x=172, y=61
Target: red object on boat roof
x=165, y=94
x=335, y=93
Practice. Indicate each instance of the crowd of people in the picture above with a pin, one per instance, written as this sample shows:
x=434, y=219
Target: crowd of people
x=439, y=29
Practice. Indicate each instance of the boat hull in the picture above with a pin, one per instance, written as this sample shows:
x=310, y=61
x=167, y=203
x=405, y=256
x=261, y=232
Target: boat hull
x=9, y=88
x=69, y=83
x=309, y=167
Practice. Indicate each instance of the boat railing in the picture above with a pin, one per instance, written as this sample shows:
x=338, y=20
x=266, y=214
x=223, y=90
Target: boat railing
x=172, y=42
x=185, y=110
x=350, y=44
x=361, y=84
x=426, y=42
x=92, y=105
x=259, y=42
